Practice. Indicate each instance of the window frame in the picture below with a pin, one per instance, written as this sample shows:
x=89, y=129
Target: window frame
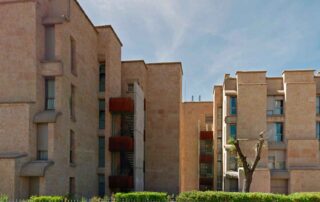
x=47, y=94
x=233, y=105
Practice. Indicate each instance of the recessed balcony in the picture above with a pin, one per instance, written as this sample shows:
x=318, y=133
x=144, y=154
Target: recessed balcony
x=206, y=135
x=121, y=182
x=206, y=181
x=121, y=105
x=206, y=158
x=121, y=143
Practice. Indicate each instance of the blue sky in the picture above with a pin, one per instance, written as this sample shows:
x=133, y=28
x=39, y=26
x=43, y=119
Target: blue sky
x=214, y=37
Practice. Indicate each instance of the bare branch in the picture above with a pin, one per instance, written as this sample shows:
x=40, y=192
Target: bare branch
x=243, y=158
x=258, y=151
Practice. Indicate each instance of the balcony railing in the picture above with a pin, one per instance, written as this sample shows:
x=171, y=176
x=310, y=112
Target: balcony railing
x=121, y=105
x=275, y=112
x=277, y=165
x=121, y=182
x=206, y=135
x=121, y=143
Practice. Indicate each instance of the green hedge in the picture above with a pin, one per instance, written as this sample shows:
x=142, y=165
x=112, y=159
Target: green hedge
x=211, y=196
x=4, y=198
x=46, y=199
x=141, y=197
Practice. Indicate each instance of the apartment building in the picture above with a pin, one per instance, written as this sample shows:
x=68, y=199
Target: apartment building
x=287, y=109
x=196, y=146
x=74, y=118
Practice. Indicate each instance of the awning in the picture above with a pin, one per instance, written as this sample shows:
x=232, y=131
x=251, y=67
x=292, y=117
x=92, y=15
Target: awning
x=49, y=116
x=35, y=168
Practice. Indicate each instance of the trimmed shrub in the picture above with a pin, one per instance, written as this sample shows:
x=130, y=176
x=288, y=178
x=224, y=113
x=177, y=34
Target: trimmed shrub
x=4, y=198
x=141, y=197
x=46, y=199
x=211, y=196
x=305, y=197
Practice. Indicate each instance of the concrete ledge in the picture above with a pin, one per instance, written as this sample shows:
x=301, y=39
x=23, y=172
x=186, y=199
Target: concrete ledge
x=279, y=174
x=12, y=155
x=35, y=168
x=277, y=146
x=232, y=174
x=46, y=117
x=52, y=68
x=304, y=168
x=230, y=92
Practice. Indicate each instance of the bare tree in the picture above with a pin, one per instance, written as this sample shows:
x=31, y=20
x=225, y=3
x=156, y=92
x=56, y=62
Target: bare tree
x=249, y=169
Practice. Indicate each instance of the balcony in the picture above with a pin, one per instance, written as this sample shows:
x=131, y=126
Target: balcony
x=121, y=105
x=121, y=143
x=121, y=182
x=206, y=135
x=205, y=158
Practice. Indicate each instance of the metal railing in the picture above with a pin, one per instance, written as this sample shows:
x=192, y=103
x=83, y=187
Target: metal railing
x=275, y=111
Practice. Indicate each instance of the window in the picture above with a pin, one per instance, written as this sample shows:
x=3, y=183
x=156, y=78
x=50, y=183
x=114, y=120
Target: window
x=233, y=105
x=73, y=58
x=102, y=78
x=72, y=147
x=318, y=104
x=72, y=186
x=102, y=114
x=49, y=43
x=101, y=152
x=278, y=107
x=233, y=131
x=49, y=94
x=279, y=132
x=42, y=142
x=318, y=130
x=101, y=185
x=130, y=87
x=72, y=103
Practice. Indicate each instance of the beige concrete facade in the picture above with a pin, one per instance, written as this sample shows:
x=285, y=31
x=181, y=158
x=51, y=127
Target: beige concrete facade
x=66, y=113
x=287, y=109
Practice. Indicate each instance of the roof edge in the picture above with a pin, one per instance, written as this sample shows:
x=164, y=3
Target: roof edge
x=135, y=61
x=168, y=63
x=114, y=32
x=86, y=16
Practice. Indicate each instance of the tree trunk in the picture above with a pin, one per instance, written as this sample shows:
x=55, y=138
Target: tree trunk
x=247, y=182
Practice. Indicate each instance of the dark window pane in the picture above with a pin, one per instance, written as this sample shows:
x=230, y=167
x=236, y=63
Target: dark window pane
x=233, y=105
x=101, y=185
x=102, y=78
x=101, y=152
x=233, y=131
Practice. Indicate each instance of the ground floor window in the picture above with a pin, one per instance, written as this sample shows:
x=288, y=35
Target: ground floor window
x=101, y=185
